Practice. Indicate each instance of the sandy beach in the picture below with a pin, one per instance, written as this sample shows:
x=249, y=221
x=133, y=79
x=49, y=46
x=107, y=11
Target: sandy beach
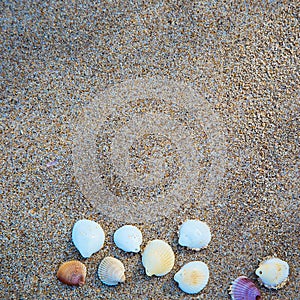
x=148, y=113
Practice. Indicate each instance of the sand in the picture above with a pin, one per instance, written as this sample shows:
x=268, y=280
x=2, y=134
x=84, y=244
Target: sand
x=219, y=79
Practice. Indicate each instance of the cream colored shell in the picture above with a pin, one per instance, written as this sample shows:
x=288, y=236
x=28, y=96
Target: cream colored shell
x=158, y=258
x=192, y=277
x=273, y=272
x=111, y=271
x=194, y=234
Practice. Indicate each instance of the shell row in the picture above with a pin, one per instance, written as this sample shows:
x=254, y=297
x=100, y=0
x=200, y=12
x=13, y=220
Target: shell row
x=88, y=236
x=158, y=259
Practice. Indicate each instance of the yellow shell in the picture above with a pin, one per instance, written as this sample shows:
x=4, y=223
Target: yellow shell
x=72, y=272
x=111, y=271
x=158, y=258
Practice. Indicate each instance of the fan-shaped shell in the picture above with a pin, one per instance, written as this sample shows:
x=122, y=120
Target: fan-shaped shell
x=273, y=272
x=72, y=273
x=128, y=238
x=88, y=237
x=194, y=234
x=192, y=277
x=244, y=289
x=158, y=258
x=111, y=271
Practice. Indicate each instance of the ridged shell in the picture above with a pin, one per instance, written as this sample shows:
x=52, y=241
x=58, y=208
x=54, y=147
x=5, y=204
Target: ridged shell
x=244, y=289
x=194, y=234
x=273, y=272
x=128, y=238
x=111, y=271
x=158, y=258
x=72, y=273
x=88, y=237
x=192, y=277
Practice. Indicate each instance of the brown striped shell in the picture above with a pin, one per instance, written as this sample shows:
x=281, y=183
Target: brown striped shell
x=72, y=272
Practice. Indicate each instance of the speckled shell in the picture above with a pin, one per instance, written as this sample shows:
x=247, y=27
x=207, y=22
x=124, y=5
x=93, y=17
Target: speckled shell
x=158, y=258
x=88, y=237
x=243, y=288
x=72, y=273
x=128, y=238
x=111, y=271
x=192, y=277
x=273, y=272
x=194, y=234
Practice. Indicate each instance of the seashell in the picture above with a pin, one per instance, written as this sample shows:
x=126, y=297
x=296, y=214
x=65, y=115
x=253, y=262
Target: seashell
x=244, y=289
x=194, y=234
x=158, y=258
x=72, y=272
x=192, y=277
x=273, y=272
x=128, y=238
x=111, y=271
x=88, y=237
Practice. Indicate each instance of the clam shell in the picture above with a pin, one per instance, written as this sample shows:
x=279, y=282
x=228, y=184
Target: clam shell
x=88, y=237
x=192, y=277
x=244, y=289
x=194, y=234
x=158, y=258
x=111, y=271
x=72, y=273
x=273, y=272
x=128, y=238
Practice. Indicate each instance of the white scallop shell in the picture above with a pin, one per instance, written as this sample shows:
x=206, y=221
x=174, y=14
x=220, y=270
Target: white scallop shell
x=111, y=271
x=158, y=258
x=273, y=272
x=128, y=238
x=88, y=237
x=194, y=234
x=192, y=277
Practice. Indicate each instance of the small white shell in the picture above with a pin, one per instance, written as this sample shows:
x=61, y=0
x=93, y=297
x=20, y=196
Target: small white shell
x=111, y=271
x=194, y=234
x=158, y=258
x=88, y=237
x=128, y=238
x=192, y=277
x=273, y=272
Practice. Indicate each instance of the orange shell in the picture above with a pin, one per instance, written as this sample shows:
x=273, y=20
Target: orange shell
x=72, y=272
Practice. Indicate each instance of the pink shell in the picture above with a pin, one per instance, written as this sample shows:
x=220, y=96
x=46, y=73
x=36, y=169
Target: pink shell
x=244, y=289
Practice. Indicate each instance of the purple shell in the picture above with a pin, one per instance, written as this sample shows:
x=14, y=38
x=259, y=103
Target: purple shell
x=244, y=289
